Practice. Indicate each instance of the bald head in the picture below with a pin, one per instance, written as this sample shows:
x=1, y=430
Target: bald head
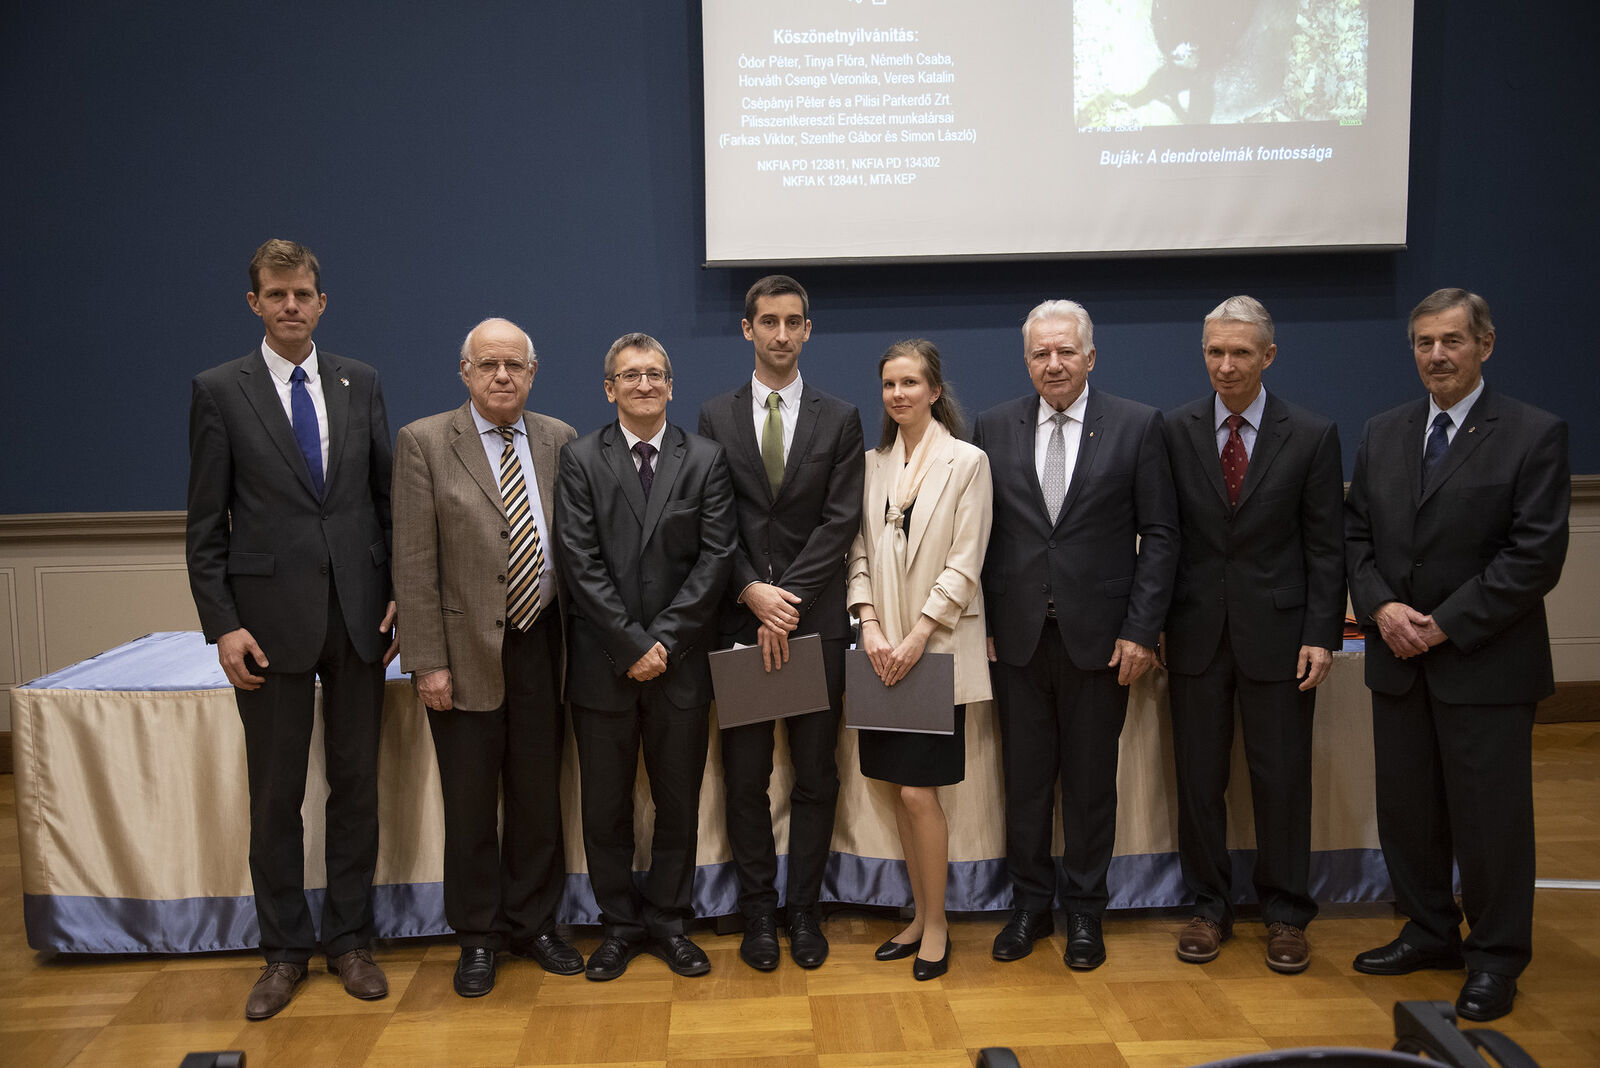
x=498, y=364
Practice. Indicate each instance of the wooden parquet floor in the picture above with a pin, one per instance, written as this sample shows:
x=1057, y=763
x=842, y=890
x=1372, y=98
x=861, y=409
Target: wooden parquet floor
x=1143, y=1007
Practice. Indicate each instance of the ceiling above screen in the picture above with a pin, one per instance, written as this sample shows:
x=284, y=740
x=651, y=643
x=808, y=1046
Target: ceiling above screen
x=858, y=130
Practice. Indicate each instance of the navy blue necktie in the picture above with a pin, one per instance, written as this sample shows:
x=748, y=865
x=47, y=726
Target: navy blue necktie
x=647, y=474
x=306, y=432
x=1438, y=445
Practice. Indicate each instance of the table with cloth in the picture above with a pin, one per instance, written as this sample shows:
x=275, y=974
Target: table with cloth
x=133, y=811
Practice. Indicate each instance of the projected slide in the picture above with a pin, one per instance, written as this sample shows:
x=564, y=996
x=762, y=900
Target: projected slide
x=843, y=130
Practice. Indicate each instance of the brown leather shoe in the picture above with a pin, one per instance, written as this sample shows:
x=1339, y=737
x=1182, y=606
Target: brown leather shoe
x=1201, y=941
x=274, y=989
x=361, y=977
x=1287, y=949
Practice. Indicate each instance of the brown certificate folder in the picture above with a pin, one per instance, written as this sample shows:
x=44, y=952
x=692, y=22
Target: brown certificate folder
x=747, y=692
x=924, y=702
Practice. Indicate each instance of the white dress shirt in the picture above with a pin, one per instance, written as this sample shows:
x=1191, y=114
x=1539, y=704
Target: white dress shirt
x=1071, y=434
x=281, y=369
x=1247, y=430
x=788, y=409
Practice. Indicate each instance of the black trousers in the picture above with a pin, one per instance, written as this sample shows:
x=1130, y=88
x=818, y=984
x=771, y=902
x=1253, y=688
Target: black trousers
x=1276, y=718
x=1456, y=781
x=1058, y=722
x=674, y=743
x=502, y=886
x=278, y=720
x=747, y=774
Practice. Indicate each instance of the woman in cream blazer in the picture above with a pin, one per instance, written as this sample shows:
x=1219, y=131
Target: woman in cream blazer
x=914, y=577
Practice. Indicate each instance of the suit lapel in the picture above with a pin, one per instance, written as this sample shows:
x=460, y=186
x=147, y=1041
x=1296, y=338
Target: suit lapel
x=929, y=497
x=543, y=449
x=669, y=464
x=746, y=450
x=1479, y=424
x=256, y=383
x=1270, y=436
x=615, y=447
x=1411, y=451
x=1088, y=442
x=469, y=448
x=336, y=400
x=805, y=426
x=1203, y=436
x=1023, y=429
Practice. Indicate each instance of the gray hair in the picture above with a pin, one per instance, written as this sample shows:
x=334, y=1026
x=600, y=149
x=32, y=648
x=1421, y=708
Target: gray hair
x=1242, y=309
x=1059, y=309
x=635, y=341
x=466, y=342
x=1442, y=300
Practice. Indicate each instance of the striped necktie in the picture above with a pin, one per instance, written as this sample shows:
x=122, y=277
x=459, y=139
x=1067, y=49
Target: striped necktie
x=526, y=559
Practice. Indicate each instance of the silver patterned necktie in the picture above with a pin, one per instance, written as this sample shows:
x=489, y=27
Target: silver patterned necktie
x=1055, y=468
x=526, y=559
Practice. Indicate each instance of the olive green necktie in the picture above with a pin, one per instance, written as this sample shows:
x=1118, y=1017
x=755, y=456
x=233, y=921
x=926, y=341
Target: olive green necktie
x=772, y=443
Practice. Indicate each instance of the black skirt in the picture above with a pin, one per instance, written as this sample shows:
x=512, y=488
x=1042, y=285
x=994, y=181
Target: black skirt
x=909, y=759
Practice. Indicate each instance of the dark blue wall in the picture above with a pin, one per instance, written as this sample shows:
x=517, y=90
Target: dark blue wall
x=542, y=161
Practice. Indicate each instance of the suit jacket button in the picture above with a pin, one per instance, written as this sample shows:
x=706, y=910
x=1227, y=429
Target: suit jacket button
x=499, y=622
x=1044, y=587
x=323, y=569
x=499, y=578
x=1050, y=544
x=505, y=534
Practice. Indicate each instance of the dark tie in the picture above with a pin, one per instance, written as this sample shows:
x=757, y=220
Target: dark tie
x=526, y=555
x=647, y=474
x=1438, y=445
x=772, y=443
x=1234, y=459
x=303, y=416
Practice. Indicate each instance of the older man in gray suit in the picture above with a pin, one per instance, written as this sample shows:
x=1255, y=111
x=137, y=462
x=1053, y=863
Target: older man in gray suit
x=473, y=489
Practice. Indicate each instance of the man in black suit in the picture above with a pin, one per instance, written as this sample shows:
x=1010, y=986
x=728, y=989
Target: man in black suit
x=1257, y=611
x=1077, y=580
x=795, y=455
x=645, y=533
x=1455, y=529
x=288, y=552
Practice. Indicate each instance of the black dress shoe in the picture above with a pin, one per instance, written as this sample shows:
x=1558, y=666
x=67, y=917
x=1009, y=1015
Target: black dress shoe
x=760, y=946
x=475, y=971
x=1017, y=937
x=681, y=955
x=807, y=944
x=1402, y=958
x=1486, y=996
x=554, y=954
x=922, y=969
x=611, y=959
x=892, y=950
x=1086, y=948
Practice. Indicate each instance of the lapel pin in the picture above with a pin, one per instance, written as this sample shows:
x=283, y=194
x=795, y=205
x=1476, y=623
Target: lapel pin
x=1470, y=429
x=344, y=381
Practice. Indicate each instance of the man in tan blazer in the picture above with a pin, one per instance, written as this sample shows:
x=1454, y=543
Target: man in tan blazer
x=477, y=588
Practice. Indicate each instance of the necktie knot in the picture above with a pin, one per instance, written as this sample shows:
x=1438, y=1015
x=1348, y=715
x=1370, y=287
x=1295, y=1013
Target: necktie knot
x=774, y=399
x=1442, y=421
x=1060, y=419
x=645, y=451
x=298, y=374
x=507, y=434
x=1234, y=422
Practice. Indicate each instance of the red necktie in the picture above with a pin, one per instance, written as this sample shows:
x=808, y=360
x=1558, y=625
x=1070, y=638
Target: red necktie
x=1234, y=460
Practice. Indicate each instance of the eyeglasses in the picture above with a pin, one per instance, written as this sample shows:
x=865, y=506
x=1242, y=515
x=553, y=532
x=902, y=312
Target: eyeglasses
x=631, y=378
x=492, y=368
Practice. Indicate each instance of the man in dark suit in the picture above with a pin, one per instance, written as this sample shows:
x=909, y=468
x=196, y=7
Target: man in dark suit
x=645, y=537
x=1455, y=529
x=795, y=455
x=1077, y=581
x=1257, y=611
x=473, y=492
x=288, y=551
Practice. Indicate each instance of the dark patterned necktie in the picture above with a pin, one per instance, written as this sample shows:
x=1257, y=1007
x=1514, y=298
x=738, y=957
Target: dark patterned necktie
x=1234, y=459
x=1438, y=445
x=647, y=474
x=526, y=559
